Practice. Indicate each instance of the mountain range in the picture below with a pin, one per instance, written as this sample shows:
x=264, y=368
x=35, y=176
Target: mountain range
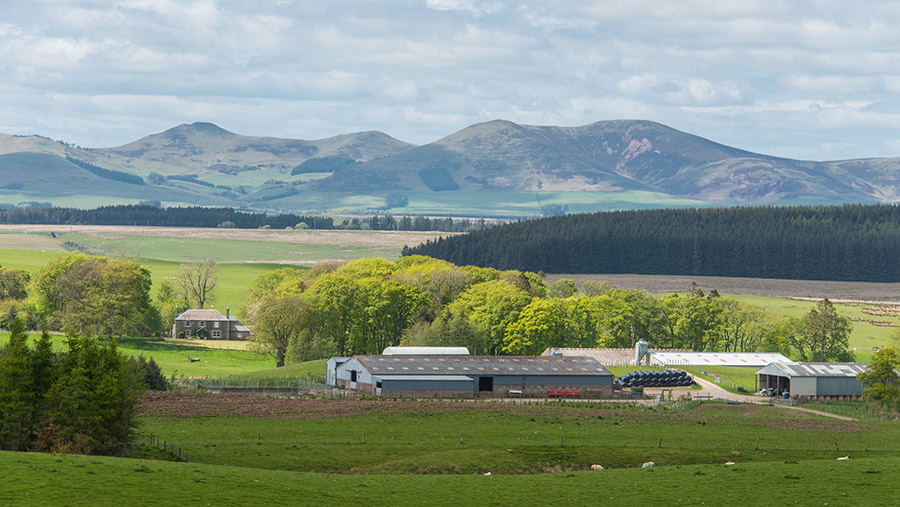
x=496, y=168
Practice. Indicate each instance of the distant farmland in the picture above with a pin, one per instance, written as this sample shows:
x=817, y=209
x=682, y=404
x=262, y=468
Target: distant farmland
x=836, y=291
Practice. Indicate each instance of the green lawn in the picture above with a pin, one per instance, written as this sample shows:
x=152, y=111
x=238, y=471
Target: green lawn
x=46, y=479
x=172, y=358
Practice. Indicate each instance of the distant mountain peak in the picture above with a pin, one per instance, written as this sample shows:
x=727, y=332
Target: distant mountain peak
x=199, y=127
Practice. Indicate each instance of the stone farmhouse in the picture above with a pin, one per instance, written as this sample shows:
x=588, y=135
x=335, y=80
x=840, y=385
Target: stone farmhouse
x=209, y=325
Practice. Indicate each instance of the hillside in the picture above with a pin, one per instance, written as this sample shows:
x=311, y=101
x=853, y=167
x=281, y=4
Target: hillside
x=609, y=156
x=496, y=168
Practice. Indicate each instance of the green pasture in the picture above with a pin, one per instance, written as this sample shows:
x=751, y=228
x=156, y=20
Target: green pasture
x=231, y=288
x=425, y=437
x=47, y=479
x=228, y=250
x=172, y=358
x=24, y=258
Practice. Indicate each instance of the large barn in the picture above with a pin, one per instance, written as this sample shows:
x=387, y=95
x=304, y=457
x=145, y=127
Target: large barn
x=671, y=357
x=469, y=376
x=813, y=380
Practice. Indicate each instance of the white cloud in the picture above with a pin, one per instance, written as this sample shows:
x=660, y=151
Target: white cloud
x=751, y=73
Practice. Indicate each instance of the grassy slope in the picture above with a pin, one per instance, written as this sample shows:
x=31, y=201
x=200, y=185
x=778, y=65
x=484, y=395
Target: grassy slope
x=425, y=437
x=45, y=479
x=172, y=359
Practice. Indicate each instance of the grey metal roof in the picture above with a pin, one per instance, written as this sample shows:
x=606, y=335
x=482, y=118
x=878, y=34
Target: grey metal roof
x=608, y=356
x=424, y=377
x=813, y=369
x=481, y=365
x=718, y=358
x=425, y=351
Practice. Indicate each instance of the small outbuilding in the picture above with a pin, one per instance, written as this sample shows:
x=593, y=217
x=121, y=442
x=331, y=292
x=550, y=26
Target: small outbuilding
x=468, y=376
x=813, y=380
x=331, y=369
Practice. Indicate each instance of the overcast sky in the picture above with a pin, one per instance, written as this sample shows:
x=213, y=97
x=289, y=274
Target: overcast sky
x=813, y=80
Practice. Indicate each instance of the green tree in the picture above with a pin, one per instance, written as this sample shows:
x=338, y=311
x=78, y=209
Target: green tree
x=17, y=392
x=94, y=295
x=196, y=282
x=880, y=380
x=336, y=299
x=827, y=333
x=92, y=404
x=280, y=322
x=562, y=288
x=490, y=307
x=541, y=324
x=13, y=283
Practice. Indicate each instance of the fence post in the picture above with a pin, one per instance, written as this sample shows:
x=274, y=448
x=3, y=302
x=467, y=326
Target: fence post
x=756, y=447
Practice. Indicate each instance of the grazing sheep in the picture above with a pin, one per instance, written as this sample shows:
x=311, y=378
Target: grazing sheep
x=596, y=467
x=842, y=458
x=648, y=464
x=729, y=463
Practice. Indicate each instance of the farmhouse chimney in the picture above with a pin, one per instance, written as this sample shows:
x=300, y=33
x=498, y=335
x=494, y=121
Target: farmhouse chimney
x=228, y=312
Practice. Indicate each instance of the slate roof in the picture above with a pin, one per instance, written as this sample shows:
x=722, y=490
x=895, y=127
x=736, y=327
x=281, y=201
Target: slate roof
x=201, y=315
x=814, y=369
x=212, y=316
x=481, y=365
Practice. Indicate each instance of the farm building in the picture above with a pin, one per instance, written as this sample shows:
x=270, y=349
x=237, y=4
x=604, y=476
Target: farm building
x=209, y=325
x=331, y=369
x=468, y=376
x=747, y=359
x=672, y=357
x=813, y=380
x=425, y=351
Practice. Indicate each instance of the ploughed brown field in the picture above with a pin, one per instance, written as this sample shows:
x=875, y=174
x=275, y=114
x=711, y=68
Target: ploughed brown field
x=835, y=291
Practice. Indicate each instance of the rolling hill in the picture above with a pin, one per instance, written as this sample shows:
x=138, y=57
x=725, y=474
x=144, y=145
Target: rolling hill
x=491, y=168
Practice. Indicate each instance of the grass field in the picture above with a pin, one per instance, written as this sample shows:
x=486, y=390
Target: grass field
x=391, y=437
x=46, y=479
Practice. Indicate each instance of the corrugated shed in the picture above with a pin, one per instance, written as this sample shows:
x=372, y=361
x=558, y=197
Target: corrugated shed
x=788, y=369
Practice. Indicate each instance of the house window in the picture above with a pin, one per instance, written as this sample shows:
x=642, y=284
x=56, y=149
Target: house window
x=352, y=375
x=216, y=324
x=216, y=334
x=201, y=324
x=187, y=324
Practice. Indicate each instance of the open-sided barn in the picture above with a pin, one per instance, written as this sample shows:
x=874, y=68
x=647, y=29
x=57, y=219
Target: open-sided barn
x=813, y=380
x=468, y=376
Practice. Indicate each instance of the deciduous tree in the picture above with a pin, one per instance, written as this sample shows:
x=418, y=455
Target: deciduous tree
x=196, y=282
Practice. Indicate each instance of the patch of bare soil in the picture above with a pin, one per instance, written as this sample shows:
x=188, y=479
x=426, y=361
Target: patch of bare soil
x=306, y=237
x=816, y=290
x=173, y=404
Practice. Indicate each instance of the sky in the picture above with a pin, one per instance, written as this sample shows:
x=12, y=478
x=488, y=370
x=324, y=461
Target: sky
x=816, y=80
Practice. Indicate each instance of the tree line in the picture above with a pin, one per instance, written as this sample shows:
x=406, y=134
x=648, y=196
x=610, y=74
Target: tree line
x=363, y=306
x=196, y=216
x=852, y=242
x=81, y=401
